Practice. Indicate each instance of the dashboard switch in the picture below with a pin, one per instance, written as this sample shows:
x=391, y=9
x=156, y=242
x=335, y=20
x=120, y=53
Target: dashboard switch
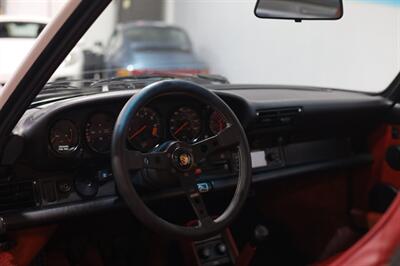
x=198, y=171
x=86, y=188
x=64, y=187
x=104, y=176
x=205, y=253
x=220, y=248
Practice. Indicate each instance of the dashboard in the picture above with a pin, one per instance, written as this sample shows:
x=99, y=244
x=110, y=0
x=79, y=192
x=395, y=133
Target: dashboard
x=90, y=131
x=62, y=166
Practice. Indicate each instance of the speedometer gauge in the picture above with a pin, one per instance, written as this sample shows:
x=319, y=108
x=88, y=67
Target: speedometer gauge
x=64, y=137
x=98, y=132
x=185, y=124
x=144, y=129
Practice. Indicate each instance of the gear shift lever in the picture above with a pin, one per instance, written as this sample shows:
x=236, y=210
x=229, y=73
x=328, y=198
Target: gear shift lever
x=260, y=235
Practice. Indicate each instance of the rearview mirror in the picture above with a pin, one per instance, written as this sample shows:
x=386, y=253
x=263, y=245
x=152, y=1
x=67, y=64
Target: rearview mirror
x=299, y=10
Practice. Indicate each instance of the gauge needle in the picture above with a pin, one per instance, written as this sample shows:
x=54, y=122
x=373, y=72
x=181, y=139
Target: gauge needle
x=140, y=130
x=181, y=127
x=220, y=125
x=69, y=137
x=154, y=131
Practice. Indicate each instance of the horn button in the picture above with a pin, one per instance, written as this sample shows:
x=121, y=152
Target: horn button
x=182, y=159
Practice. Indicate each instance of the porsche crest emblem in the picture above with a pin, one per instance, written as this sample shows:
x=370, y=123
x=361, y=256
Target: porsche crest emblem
x=185, y=160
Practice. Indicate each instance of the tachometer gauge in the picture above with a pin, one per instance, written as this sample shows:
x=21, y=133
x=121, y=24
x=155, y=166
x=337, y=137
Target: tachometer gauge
x=64, y=138
x=217, y=122
x=98, y=132
x=145, y=129
x=185, y=124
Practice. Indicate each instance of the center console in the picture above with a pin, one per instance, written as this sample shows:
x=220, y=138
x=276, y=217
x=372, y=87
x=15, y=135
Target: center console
x=218, y=250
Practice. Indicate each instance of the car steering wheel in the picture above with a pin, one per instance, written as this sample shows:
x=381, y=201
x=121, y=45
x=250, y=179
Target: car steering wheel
x=181, y=160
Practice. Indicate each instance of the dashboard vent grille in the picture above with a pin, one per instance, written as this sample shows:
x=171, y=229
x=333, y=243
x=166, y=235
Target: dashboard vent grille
x=16, y=195
x=278, y=116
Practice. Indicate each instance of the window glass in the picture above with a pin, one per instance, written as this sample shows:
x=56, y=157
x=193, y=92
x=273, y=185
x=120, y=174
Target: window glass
x=360, y=52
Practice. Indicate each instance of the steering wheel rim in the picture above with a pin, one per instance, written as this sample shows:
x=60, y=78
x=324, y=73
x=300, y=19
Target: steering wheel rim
x=123, y=161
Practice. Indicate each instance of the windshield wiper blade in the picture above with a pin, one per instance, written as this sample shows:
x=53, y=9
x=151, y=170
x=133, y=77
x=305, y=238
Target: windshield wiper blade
x=144, y=80
x=71, y=87
x=49, y=87
x=213, y=78
x=71, y=83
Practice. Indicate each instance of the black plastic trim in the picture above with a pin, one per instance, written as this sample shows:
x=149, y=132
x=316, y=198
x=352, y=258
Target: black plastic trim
x=12, y=221
x=51, y=215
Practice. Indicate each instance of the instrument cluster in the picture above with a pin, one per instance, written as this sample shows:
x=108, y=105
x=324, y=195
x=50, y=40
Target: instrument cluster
x=149, y=128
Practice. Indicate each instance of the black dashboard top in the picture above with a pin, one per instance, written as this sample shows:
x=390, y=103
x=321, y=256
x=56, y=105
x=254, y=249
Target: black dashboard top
x=278, y=95
x=266, y=112
x=246, y=101
x=254, y=97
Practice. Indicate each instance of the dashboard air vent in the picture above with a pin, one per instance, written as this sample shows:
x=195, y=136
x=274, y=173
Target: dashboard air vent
x=278, y=116
x=16, y=195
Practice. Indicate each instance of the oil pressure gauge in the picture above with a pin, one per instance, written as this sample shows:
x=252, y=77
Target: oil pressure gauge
x=64, y=138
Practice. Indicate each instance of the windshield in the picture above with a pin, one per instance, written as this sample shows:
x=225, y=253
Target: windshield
x=20, y=29
x=136, y=38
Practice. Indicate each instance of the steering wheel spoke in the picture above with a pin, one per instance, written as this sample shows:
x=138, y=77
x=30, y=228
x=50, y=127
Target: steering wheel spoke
x=152, y=160
x=225, y=139
x=189, y=185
